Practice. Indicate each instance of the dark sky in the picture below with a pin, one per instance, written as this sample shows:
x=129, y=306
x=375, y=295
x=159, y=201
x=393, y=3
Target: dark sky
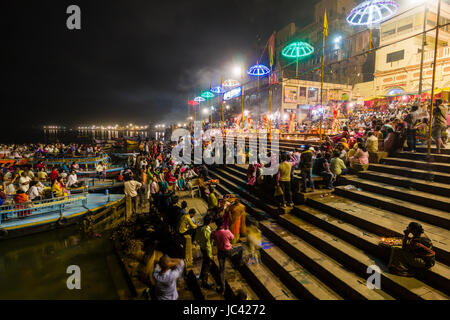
x=132, y=61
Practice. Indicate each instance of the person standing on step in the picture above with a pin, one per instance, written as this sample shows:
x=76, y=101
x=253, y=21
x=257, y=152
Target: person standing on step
x=439, y=124
x=131, y=188
x=284, y=178
x=203, y=238
x=225, y=249
x=306, y=164
x=237, y=220
x=411, y=120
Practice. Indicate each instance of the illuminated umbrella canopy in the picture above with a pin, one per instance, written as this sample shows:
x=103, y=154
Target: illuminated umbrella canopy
x=199, y=99
x=192, y=103
x=258, y=70
x=230, y=83
x=372, y=12
x=207, y=95
x=297, y=50
x=217, y=90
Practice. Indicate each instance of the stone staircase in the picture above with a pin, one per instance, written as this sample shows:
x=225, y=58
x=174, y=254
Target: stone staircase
x=321, y=249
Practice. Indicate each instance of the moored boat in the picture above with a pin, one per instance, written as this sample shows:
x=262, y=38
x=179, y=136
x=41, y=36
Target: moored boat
x=25, y=218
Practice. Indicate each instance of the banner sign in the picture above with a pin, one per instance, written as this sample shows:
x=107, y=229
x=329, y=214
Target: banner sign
x=233, y=93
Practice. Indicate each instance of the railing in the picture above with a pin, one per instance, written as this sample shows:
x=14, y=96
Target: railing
x=33, y=208
x=299, y=135
x=71, y=159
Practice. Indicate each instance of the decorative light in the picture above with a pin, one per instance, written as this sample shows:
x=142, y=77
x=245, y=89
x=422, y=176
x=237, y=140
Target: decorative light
x=217, y=90
x=372, y=12
x=297, y=50
x=233, y=93
x=199, y=99
x=230, y=83
x=193, y=102
x=207, y=95
x=258, y=70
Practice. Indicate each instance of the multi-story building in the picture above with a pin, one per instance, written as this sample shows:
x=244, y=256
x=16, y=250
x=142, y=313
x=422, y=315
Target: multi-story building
x=397, y=67
x=343, y=46
x=344, y=63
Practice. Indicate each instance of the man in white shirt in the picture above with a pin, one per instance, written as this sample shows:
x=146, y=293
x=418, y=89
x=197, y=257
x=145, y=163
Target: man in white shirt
x=24, y=182
x=72, y=180
x=100, y=168
x=131, y=188
x=33, y=192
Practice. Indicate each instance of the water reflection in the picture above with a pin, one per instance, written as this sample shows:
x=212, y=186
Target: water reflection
x=34, y=267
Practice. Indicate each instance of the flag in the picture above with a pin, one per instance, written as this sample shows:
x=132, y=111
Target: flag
x=271, y=48
x=325, y=24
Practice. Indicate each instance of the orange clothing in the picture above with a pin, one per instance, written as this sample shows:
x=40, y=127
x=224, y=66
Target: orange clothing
x=237, y=223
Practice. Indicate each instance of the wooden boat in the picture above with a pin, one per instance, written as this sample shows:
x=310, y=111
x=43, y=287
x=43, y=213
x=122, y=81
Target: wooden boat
x=97, y=186
x=21, y=219
x=111, y=171
x=124, y=155
x=81, y=160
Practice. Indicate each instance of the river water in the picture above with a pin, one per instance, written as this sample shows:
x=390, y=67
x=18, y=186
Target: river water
x=35, y=267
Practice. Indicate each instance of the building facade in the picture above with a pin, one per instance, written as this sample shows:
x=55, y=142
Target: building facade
x=344, y=61
x=397, y=66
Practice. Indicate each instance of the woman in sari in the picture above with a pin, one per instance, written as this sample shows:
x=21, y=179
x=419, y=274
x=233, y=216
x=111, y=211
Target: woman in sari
x=58, y=188
x=416, y=252
x=361, y=156
x=237, y=220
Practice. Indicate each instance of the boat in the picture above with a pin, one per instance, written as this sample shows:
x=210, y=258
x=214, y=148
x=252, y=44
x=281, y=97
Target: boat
x=81, y=160
x=43, y=215
x=97, y=186
x=111, y=171
x=124, y=155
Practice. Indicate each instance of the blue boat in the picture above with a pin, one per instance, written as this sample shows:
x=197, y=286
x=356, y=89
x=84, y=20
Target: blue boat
x=82, y=160
x=25, y=218
x=109, y=172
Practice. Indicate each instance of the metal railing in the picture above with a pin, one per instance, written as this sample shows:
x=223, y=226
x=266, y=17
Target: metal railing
x=33, y=208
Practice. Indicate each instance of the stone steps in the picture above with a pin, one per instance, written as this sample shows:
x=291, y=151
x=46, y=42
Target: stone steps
x=437, y=188
x=235, y=184
x=358, y=261
x=330, y=271
x=265, y=282
x=233, y=281
x=412, y=210
x=433, y=150
x=417, y=164
x=444, y=158
x=345, y=225
x=297, y=278
x=201, y=293
x=426, y=175
x=418, y=197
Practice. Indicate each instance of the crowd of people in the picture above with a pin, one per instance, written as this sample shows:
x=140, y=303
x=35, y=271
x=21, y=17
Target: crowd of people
x=56, y=150
x=155, y=177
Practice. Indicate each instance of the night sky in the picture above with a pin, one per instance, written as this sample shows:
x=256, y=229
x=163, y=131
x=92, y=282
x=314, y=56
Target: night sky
x=132, y=61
